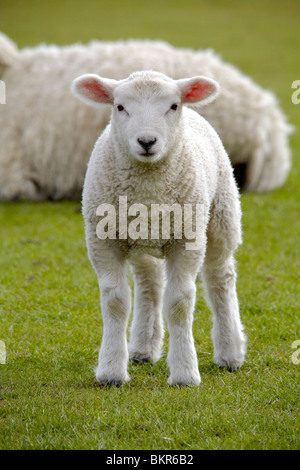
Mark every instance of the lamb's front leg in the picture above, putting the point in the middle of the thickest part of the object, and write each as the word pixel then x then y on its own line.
pixel 115 307
pixel 115 294
pixel 179 302
pixel 147 327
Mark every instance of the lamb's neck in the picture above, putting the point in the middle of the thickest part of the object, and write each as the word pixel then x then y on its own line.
pixel 151 180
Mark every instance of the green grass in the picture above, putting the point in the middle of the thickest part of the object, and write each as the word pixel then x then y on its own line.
pixel 49 299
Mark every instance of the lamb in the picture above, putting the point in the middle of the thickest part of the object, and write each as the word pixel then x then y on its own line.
pixel 157 153
pixel 47 137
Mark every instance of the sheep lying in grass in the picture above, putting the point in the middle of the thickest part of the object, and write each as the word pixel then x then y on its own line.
pixel 157 152
pixel 47 137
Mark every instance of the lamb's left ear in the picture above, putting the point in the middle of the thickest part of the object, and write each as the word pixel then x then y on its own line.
pixel 198 89
pixel 94 89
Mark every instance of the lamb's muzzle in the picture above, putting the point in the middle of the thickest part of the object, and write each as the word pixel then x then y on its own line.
pixel 147 144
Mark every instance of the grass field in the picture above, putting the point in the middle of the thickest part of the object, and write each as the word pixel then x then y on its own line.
pixel 49 300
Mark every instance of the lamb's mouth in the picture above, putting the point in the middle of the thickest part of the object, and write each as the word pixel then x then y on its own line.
pixel 147 154
pixel 148 157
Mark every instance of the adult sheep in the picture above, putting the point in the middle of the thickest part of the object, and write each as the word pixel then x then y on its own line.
pixel 157 152
pixel 46 136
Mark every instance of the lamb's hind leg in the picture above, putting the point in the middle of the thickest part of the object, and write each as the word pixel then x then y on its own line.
pixel 220 284
pixel 147 327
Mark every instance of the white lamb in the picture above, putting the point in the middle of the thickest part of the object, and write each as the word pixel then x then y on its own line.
pixel 46 136
pixel 156 151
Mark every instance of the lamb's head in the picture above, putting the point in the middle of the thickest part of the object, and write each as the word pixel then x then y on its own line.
pixel 147 108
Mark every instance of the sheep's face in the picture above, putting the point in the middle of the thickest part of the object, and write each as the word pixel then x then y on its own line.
pixel 146 118
pixel 146 109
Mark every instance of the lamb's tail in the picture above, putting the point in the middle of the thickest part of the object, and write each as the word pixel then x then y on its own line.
pixel 8 51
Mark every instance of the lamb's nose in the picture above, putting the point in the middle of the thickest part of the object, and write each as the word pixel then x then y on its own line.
pixel 146 144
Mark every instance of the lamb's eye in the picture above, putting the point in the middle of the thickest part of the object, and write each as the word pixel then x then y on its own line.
pixel 174 106
pixel 120 107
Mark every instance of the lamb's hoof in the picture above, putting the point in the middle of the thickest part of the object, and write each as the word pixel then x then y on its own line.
pixel 184 384
pixel 110 383
pixel 188 382
pixel 111 378
pixel 180 384
pixel 231 366
pixel 140 360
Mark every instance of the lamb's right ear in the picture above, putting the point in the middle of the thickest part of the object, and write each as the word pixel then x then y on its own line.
pixel 93 89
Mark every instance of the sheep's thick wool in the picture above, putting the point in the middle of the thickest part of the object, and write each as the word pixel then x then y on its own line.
pixel 47 136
